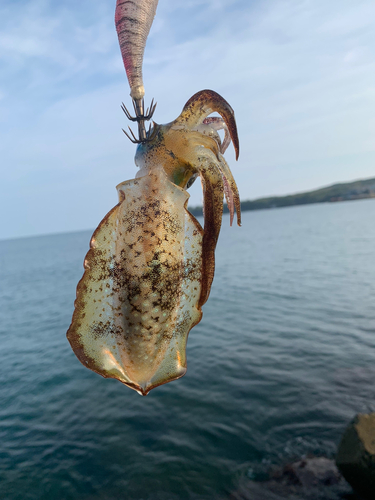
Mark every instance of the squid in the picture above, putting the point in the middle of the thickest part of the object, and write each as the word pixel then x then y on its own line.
pixel 150 265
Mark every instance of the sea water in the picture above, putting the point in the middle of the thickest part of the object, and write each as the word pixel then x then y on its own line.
pixel 281 361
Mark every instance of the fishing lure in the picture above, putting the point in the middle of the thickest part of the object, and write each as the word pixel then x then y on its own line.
pixel 150 265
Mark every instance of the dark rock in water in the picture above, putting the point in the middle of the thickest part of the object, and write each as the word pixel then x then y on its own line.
pixel 356 455
pixel 315 478
pixel 310 472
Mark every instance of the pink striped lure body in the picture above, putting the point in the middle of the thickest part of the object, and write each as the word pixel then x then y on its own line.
pixel 133 19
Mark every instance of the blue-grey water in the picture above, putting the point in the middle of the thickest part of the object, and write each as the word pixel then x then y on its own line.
pixel 281 361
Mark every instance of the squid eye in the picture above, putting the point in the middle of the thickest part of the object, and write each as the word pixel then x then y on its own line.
pixel 191 181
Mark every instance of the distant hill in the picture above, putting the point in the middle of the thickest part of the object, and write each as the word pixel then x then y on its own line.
pixel 337 192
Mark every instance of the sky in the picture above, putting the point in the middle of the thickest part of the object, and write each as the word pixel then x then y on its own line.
pixel 300 75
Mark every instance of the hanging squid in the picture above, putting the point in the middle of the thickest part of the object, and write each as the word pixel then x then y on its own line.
pixel 150 265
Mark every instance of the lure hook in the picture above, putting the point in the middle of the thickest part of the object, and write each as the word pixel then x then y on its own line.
pixel 140 117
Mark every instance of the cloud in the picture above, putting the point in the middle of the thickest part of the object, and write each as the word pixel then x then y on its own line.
pixel 299 75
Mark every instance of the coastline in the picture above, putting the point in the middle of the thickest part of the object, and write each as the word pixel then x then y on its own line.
pixel 356 190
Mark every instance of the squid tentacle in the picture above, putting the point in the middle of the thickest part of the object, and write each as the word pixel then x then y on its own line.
pixel 204 103
pixel 229 197
pixel 233 196
pixel 218 123
pixel 213 189
pixel 230 187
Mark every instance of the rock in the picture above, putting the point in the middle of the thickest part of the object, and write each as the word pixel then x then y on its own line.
pixel 314 478
pixel 356 455
pixel 310 472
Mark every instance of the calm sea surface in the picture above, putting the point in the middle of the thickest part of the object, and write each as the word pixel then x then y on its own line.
pixel 281 361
